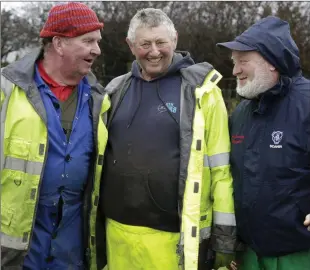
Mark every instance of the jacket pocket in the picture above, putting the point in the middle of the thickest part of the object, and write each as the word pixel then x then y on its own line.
pixel 17 148
pixel 6 215
pixel 14 196
pixel 163 190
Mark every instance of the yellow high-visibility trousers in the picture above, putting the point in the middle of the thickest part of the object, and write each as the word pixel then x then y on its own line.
pixel 140 248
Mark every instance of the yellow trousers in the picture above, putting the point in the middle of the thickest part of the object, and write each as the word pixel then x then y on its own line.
pixel 140 248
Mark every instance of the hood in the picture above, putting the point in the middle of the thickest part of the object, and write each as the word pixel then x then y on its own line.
pixel 271 37
pixel 21 72
pixel 180 60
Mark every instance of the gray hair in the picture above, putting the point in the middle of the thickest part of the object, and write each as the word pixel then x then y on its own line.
pixel 150 17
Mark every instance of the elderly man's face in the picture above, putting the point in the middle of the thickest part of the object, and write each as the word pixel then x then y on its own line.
pixel 153 49
pixel 254 74
pixel 79 53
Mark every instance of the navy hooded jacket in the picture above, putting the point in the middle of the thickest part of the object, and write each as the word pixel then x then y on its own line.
pixel 270 157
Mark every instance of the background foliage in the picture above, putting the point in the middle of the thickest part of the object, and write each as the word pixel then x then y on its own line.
pixel 200 26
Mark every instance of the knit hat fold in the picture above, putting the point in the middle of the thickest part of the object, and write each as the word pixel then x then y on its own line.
pixel 70 20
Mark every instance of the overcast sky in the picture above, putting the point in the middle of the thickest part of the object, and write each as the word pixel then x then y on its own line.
pixel 9 5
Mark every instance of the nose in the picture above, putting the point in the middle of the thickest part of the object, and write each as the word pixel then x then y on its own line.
pixel 237 69
pixel 96 49
pixel 154 49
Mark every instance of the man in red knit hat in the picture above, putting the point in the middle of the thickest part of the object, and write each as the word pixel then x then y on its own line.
pixel 53 137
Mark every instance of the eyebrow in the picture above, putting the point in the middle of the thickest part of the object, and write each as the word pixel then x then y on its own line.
pixel 156 39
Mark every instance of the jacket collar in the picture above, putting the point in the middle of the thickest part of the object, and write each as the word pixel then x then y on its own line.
pixel 266 99
pixel 21 72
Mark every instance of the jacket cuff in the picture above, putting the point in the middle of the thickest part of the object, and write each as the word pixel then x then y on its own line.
pixel 224 239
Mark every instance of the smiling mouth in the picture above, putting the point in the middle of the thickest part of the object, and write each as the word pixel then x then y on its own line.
pixel 90 61
pixel 154 60
pixel 242 79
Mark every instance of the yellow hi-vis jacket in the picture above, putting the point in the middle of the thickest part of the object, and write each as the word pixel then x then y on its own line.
pixel 205 199
pixel 24 144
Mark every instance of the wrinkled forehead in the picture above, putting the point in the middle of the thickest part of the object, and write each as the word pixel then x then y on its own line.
pixel 91 35
pixel 152 33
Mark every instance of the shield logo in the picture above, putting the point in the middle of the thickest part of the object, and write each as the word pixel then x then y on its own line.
pixel 277 136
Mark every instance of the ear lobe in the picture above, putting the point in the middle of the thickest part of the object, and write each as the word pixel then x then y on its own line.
pixel 272 68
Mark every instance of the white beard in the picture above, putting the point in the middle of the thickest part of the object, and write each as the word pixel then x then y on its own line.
pixel 261 82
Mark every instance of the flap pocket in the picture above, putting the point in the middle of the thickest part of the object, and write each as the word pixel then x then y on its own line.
pixel 18 148
pixel 6 216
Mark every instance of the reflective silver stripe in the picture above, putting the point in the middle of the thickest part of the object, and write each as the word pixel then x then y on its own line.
pixel 6 87
pixel 181 242
pixel 224 219
pixel 180 251
pixel 216 160
pixel 205 233
pixel 30 167
pixel 13 242
pixel 213 78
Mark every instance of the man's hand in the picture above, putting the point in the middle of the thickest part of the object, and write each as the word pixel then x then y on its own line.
pixel 232 266
pixel 307 221
pixel 223 260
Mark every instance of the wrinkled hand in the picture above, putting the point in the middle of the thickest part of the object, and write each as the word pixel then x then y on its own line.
pixel 307 221
pixel 233 266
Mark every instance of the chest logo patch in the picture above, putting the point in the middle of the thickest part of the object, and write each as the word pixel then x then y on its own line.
pixel 237 139
pixel 171 107
pixel 276 138
pixel 162 108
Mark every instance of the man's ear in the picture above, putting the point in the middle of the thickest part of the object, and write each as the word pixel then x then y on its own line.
pixel 176 40
pixel 131 45
pixel 57 44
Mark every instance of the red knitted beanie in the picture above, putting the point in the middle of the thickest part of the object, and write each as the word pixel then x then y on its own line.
pixel 70 20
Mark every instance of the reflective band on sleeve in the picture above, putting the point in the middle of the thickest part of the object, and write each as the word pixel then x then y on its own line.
pixel 30 167
pixel 13 242
pixel 204 233
pixel 226 219
pixel 216 160
pixel 6 90
pixel 180 250
pixel 6 85
pixel 181 242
